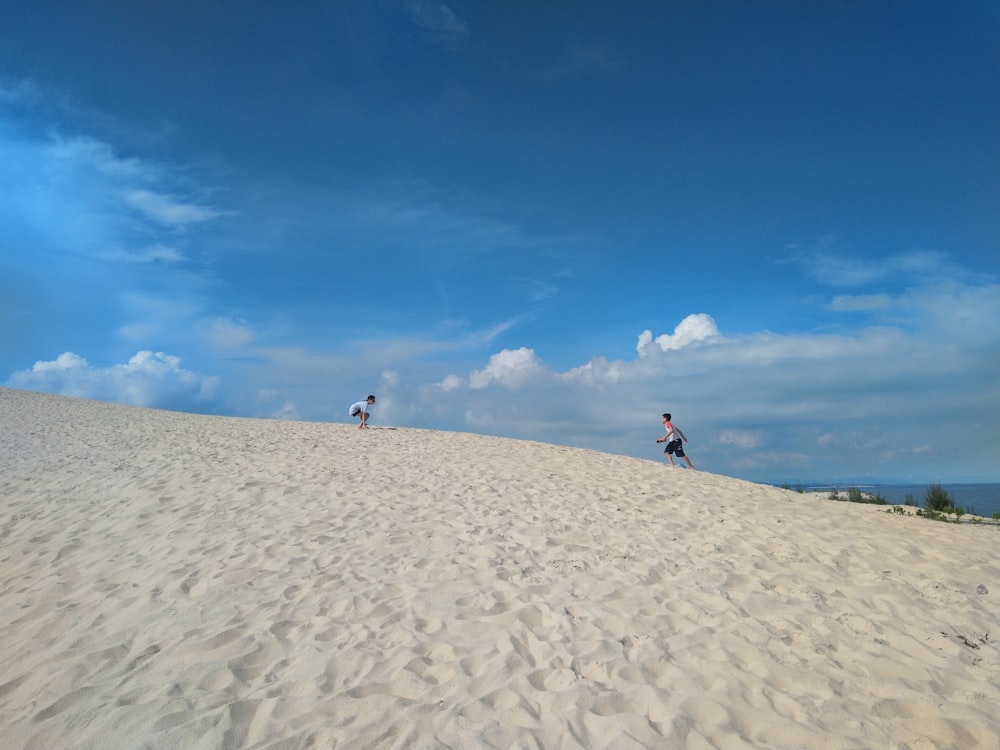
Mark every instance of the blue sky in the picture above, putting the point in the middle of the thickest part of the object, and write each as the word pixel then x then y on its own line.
pixel 779 221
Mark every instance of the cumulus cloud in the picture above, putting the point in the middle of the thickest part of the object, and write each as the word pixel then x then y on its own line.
pixel 510 368
pixel 151 379
pixel 762 403
pixel 600 369
pixel 694 328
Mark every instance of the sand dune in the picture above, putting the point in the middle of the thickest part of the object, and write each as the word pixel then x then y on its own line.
pixel 178 581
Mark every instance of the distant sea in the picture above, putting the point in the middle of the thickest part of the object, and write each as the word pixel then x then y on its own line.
pixel 979 499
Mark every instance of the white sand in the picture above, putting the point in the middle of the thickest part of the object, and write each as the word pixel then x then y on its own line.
pixel 179 581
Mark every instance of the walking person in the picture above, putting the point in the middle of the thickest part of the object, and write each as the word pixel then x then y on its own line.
pixel 673 438
pixel 360 410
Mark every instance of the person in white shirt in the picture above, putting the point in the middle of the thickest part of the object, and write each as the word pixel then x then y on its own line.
pixel 673 438
pixel 360 410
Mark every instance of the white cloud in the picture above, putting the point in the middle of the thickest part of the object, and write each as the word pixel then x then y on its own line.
pixel 739 439
pixel 288 410
pixel 226 333
pixel 63 363
pixel 149 378
pixel 511 368
pixel 600 370
pixel 168 210
pixel 149 254
pixel 859 303
pixel 69 157
pixel 830 265
pixel 75 195
pixel 692 329
pixel 451 383
pixel 438 23
pixel 952 311
pixel 763 403
pixel 150 317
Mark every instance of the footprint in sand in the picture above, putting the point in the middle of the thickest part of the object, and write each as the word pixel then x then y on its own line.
pixel 590 670
pixel 193 586
pixel 553 680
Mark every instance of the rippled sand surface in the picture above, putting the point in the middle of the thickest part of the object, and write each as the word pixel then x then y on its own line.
pixel 171 581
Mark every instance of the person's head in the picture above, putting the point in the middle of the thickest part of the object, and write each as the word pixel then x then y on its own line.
pixel 666 417
pixel 371 399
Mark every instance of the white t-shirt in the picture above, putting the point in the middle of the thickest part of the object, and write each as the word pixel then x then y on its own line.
pixel 358 408
pixel 671 433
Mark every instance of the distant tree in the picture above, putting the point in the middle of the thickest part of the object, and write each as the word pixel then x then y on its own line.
pixel 937 498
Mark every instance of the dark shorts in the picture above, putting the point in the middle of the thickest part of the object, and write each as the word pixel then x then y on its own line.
pixel 355 412
pixel 675 447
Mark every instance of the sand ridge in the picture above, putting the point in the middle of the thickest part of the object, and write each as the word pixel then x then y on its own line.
pixel 173 580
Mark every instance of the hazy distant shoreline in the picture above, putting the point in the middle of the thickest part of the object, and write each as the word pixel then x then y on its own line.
pixel 981 498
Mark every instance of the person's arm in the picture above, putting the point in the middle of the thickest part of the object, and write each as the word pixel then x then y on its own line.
pixel 678 431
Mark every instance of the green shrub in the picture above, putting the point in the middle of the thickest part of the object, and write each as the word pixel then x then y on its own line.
pixel 937 498
pixel 855 495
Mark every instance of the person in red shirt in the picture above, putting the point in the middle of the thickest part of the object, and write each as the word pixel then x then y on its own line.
pixel 673 438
